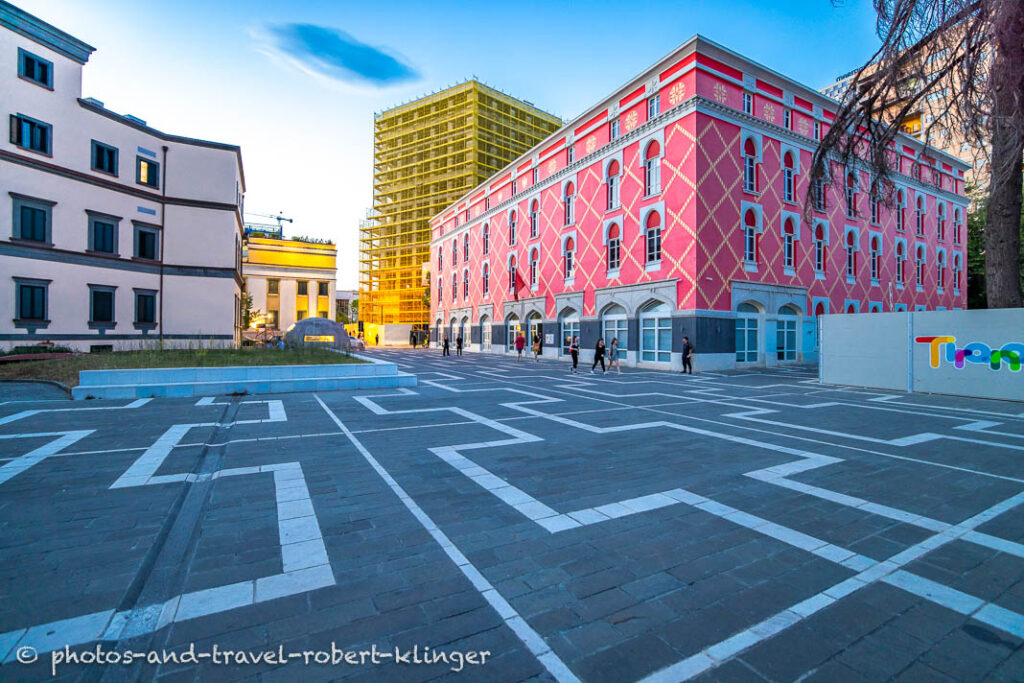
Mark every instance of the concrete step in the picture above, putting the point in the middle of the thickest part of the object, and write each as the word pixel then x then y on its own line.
pixel 219 387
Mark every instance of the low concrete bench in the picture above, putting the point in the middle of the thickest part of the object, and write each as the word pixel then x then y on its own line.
pixel 263 379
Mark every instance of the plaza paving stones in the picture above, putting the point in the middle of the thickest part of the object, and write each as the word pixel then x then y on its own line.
pixel 751 525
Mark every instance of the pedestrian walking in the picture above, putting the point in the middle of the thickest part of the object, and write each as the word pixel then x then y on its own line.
pixel 613 356
pixel 458 345
pixel 687 355
pixel 536 347
pixel 444 347
pixel 520 345
pixel 376 340
pixel 598 355
pixel 574 350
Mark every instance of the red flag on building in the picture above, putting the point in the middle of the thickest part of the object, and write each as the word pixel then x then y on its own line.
pixel 520 283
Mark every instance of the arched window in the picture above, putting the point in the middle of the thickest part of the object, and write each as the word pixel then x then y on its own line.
pixel 788 169
pixel 788 236
pixel 570 200
pixel 534 218
pixel 512 229
pixel 940 269
pixel 919 270
pixel 746 333
pixel 613 185
pixel 534 267
pixel 570 255
pixel 614 325
pixel 440 259
pixel 818 194
pixel 512 275
pixel 465 284
pixel 901 207
pixel 851 255
pixel 485 332
pixel 957 269
pixel 455 287
pixel 653 237
pixel 850 308
pixel 749 166
pixel 750 237
pixel 514 328
pixel 652 169
pixel 876 258
pixel 941 226
pixel 655 332
pixel 455 251
pixel 785 334
pixel 819 309
pixel 614 247
pixel 819 248
pixel 901 261
pixel 920 215
pixel 486 277
pixel 465 247
pixel 486 234
pixel 440 291
pixel 957 225
pixel 875 201
pixel 851 194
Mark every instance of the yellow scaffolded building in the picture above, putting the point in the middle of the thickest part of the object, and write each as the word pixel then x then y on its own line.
pixel 427 154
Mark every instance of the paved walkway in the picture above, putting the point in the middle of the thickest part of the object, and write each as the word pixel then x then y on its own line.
pixel 648 526
pixel 31 391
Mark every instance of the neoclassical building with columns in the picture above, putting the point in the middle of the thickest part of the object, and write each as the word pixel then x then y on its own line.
pixel 675 208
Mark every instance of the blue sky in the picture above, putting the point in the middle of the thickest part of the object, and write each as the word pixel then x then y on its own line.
pixel 296 83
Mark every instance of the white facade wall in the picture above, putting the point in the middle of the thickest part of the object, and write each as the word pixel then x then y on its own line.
pixel 942 352
pixel 197 207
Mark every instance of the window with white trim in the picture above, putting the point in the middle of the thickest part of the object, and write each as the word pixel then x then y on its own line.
pixel 613 185
pixel 920 215
pixel 570 257
pixel 851 254
pixel 749 166
pixel 570 199
pixel 819 248
pixel 534 218
pixel 486 234
pixel 614 247
pixel 919 263
pixel 613 129
pixel 465 284
pixel 653 107
pixel 455 287
pixel 485 276
pixel 748 103
pixel 788 238
pixel 652 169
pixel 653 238
pixel 901 263
pixel 876 258
pixel 750 237
pixel 534 268
pixel 851 195
pixel 788 178
pixel 512 229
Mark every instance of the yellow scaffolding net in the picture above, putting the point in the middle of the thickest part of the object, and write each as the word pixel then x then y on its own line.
pixel 427 154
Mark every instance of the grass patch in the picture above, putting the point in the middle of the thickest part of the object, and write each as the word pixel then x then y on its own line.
pixel 65 370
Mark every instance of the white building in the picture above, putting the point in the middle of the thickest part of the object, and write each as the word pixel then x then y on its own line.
pixel 113 235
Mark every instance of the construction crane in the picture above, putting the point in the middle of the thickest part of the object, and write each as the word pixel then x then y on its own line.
pixel 268 227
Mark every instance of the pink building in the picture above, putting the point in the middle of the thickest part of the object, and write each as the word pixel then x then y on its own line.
pixel 674 208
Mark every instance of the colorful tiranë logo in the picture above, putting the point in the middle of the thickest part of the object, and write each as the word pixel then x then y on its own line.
pixel 1011 353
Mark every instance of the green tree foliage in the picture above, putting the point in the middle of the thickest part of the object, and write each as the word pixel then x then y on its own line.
pixel 976 294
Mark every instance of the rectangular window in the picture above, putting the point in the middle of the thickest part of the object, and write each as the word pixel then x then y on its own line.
pixel 788 251
pixel 102 233
pixel 273 286
pixel 613 129
pixel 101 304
pixel 147 243
pixel 300 315
pixel 536 176
pixel 514 190
pixel 749 245
pixel 147 172
pixel 653 107
pixel 104 158
pixel 614 258
pixel 303 287
pixel 28 133
pixel 31 300
pixel 653 245
pixel 34 68
pixel 570 154
pixel 787 119
pixel 748 103
pixel 145 307
pixel 322 314
pixel 322 288
pixel 33 222
pixel 817 130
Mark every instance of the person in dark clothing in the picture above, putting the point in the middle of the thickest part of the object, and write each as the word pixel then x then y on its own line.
pixel 687 355
pixel 458 345
pixel 574 350
pixel 376 340
pixel 598 355
pixel 444 347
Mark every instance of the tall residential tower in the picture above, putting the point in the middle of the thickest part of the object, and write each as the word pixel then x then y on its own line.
pixel 427 154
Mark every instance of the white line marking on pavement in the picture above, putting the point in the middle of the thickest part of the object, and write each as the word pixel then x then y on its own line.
pixel 533 641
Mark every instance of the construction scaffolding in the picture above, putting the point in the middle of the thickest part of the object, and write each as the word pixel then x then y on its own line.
pixel 427 154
